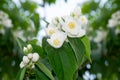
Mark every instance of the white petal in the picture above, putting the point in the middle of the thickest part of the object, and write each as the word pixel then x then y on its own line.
pixel 25 59
pixel 35 57
pixel 29 46
pixel 81 33
pixel 22 64
pixel 30 55
pixel 51 30
pixel 57 39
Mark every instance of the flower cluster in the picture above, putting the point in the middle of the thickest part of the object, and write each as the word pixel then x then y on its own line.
pixel 114 22
pixel 67 26
pixel 30 59
pixel 4 20
pixel 101 35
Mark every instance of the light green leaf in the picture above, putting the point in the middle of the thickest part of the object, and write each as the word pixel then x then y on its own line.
pixel 21 73
pixel 86 43
pixel 62 61
pixel 44 69
pixel 78 48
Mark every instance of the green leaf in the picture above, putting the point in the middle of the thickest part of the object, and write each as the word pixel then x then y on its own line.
pixel 40 75
pixel 44 69
pixel 79 49
pixel 36 20
pixel 62 61
pixel 33 41
pixel 21 74
pixel 86 43
pixel 21 43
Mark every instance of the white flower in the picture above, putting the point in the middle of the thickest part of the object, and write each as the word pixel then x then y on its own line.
pixel 57 39
pixel 112 23
pixel 83 20
pixel 7 23
pixel 72 28
pixel 25 59
pixel 88 76
pixel 35 57
pixel 100 36
pixel 29 47
pixel 30 55
pixel 22 64
pixel 51 30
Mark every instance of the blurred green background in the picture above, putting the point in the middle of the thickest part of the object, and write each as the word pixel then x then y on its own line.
pixel 19 18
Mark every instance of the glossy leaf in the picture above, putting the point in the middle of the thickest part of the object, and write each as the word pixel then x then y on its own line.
pixel 86 43
pixel 40 75
pixel 79 49
pixel 44 69
pixel 62 61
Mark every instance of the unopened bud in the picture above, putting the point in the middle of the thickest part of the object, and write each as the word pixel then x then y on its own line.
pixel 29 47
pixel 22 64
pixel 25 50
pixel 30 55
pixel 35 57
pixel 25 59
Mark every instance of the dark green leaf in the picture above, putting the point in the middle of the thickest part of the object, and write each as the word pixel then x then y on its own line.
pixel 45 70
pixel 79 49
pixel 40 75
pixel 62 61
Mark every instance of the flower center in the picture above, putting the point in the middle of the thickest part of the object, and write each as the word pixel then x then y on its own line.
pixel 83 18
pixel 56 41
pixel 51 32
pixel 71 25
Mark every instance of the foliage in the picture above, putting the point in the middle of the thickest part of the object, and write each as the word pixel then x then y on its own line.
pixel 105 52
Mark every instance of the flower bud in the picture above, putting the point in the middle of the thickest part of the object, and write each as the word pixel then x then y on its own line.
pixel 29 47
pixel 25 50
pixel 25 59
pixel 22 64
pixel 30 55
pixel 35 57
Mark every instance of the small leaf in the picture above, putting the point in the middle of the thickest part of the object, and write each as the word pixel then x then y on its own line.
pixel 86 43
pixel 79 49
pixel 45 70
pixel 33 41
pixel 21 73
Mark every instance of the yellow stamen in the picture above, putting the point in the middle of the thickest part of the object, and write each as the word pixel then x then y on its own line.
pixel 51 32
pixel 83 18
pixel 71 25
pixel 56 42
